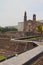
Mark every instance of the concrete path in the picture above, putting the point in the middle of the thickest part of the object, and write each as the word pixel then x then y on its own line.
pixel 24 57
pixel 40 43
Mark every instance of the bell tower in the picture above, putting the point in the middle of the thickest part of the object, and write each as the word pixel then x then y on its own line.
pixel 25 16
pixel 34 17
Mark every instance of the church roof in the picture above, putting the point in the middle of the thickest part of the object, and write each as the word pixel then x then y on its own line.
pixel 37 21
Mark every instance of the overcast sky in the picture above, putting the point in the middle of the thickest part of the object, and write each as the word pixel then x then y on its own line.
pixel 12 11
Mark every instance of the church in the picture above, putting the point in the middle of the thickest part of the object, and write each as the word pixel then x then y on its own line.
pixel 30 26
pixel 27 27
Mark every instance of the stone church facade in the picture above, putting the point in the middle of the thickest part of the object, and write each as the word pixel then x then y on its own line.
pixel 30 25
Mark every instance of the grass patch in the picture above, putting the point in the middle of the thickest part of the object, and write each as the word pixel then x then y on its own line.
pixel 2 58
pixel 36 38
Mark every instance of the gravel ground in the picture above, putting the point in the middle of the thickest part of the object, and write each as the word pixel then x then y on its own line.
pixel 39 61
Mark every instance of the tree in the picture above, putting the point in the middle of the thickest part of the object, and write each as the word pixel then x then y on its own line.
pixel 5 29
pixel 40 28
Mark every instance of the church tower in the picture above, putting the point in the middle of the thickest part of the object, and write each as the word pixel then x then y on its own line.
pixel 25 16
pixel 25 20
pixel 34 17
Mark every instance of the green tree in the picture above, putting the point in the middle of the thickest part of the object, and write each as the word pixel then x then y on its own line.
pixel 5 29
pixel 40 29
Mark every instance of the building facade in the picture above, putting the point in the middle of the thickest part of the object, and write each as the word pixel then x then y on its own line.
pixel 30 25
pixel 20 26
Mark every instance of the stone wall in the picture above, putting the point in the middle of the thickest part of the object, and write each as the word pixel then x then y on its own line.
pixel 11 34
pixel 11 47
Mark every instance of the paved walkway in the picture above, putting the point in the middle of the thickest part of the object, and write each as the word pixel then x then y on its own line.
pixel 40 43
pixel 24 57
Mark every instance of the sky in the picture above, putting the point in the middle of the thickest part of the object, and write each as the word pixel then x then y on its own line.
pixel 12 11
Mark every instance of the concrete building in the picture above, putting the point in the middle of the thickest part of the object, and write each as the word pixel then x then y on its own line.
pixel 20 26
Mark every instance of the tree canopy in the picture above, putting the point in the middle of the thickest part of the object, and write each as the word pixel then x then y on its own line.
pixel 5 29
pixel 39 28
